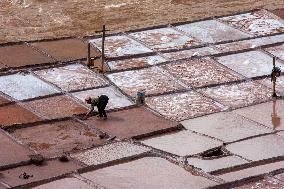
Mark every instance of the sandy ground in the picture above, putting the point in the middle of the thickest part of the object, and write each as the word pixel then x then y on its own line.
pixel 37 19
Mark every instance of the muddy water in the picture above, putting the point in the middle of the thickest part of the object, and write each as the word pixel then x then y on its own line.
pixel 36 19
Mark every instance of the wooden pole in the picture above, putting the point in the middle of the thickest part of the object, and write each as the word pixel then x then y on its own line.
pixel 274 78
pixel 103 31
pixel 89 55
pixel 274 89
pixel 103 47
pixel 274 62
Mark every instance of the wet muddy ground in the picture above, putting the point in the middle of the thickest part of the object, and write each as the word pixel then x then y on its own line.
pixel 59 137
pixel 37 19
pixel 157 171
pixel 209 118
pixel 122 126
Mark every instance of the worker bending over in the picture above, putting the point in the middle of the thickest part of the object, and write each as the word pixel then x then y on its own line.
pixel 100 102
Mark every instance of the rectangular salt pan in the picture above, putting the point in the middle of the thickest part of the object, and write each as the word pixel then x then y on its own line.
pixel 201 72
pixel 183 106
pixel 250 64
pixel 279 84
pixel 259 148
pixel 109 152
pixel 268 114
pixel 277 51
pixel 120 46
pixel 132 123
pixel 56 107
pixel 204 51
pixel 57 138
pixel 148 172
pixel 225 126
pixel 252 172
pixel 164 39
pixel 210 165
pixel 153 80
pixel 135 62
pixel 21 87
pixel 238 95
pixel 249 44
pixel 65 183
pixel 182 143
pixel 211 31
pixel 257 23
pixel 72 77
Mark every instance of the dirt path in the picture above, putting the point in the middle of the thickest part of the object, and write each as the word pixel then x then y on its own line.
pixel 37 19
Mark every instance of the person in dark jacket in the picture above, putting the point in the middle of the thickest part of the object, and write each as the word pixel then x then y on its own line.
pixel 100 102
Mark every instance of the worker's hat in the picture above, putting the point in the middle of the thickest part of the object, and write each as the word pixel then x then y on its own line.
pixel 88 98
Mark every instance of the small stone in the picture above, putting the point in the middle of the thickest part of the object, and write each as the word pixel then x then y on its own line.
pixel 64 158
pixel 36 159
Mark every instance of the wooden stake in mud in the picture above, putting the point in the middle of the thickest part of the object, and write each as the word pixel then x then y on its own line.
pixel 103 31
pixel 89 55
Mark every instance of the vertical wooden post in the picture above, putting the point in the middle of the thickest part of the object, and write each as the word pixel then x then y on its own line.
pixel 274 89
pixel 103 47
pixel 274 78
pixel 274 62
pixel 89 55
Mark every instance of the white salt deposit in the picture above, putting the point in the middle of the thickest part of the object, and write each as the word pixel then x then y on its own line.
pixel 153 80
pixel 21 86
pixel 115 5
pixel 120 46
pixel 250 64
pixel 251 43
pixel 204 51
pixel 135 62
pixel 72 77
pixel 109 152
pixel 211 31
pixel 257 23
pixel 277 51
pixel 164 38
pixel 238 95
pixel 183 106
pixel 201 72
pixel 279 84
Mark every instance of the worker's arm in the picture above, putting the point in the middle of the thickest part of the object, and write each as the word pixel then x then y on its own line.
pixel 87 114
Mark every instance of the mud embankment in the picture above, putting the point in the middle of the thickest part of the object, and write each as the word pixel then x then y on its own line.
pixel 37 19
